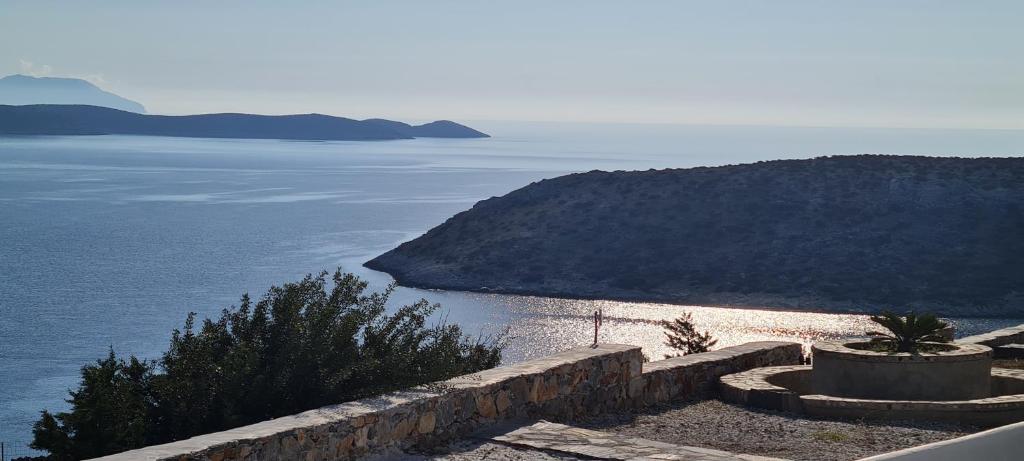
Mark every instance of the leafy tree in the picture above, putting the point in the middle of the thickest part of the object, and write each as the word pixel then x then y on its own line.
pixel 109 412
pixel 905 334
pixel 682 335
pixel 302 346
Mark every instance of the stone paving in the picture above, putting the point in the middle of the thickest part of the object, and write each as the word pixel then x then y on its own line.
pixel 476 450
pixel 574 441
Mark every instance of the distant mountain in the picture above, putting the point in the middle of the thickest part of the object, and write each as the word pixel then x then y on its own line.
pixel 20 90
pixel 849 233
pixel 93 120
pixel 438 129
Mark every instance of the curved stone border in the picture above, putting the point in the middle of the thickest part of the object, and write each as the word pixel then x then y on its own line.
pixel 755 388
pixel 963 352
pixel 1007 381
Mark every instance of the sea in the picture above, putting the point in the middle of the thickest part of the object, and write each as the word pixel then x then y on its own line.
pixel 108 242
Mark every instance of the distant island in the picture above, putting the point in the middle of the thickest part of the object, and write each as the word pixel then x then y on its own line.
pixel 93 120
pixel 19 90
pixel 840 234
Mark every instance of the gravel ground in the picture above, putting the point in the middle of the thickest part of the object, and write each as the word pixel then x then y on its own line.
pixel 714 424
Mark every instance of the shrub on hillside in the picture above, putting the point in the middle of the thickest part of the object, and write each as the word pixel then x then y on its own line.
pixel 304 345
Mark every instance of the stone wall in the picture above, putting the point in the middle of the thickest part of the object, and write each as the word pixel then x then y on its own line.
pixel 993 339
pixel 559 387
pixel 697 375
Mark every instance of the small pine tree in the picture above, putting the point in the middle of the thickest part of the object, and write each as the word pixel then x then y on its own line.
pixel 683 336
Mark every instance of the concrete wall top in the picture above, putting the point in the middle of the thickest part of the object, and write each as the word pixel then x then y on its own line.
pixel 999 444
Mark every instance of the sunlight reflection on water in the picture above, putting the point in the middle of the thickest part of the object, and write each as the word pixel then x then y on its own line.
pixel 539 326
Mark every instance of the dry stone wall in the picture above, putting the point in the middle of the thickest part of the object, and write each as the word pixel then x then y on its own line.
pixel 560 387
pixel 697 375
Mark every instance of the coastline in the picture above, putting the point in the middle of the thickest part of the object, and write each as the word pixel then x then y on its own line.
pixel 752 301
pixel 843 234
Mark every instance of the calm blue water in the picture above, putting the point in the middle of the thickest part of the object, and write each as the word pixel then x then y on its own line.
pixel 109 241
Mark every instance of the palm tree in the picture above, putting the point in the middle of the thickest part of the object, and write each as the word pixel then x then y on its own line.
pixel 907 333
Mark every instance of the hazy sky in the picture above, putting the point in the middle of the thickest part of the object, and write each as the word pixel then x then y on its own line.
pixel 867 63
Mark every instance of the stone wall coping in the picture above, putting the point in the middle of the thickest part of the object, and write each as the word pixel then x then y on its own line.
pixel 1008 373
pixel 963 352
pixel 311 419
pixel 757 379
pixel 999 337
pixel 713 356
pixel 536 366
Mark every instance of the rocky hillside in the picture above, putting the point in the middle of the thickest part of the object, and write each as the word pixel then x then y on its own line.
pixel 849 233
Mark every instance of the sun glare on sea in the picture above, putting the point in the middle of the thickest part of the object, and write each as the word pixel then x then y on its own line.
pixel 539 326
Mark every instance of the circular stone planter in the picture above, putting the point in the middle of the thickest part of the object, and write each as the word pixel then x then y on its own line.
pixel 785 388
pixel 963 373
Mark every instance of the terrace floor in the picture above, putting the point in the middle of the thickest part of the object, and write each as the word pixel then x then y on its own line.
pixel 551 441
pixel 722 426
pixel 707 430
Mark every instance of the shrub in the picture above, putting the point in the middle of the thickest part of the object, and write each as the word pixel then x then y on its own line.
pixel 300 347
pixel 682 335
pixel 905 334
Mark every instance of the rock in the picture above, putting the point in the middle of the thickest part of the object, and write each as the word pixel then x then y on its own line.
pixel 502 402
pixel 426 423
pixel 485 406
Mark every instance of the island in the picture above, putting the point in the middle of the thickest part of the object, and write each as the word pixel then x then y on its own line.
pixel 839 234
pixel 57 119
pixel 25 89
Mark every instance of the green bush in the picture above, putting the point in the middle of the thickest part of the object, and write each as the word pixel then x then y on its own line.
pixel 302 346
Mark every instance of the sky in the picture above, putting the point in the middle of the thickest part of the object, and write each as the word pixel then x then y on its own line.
pixel 906 63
